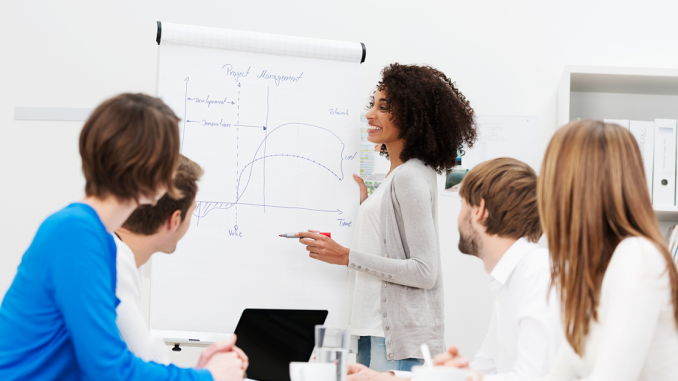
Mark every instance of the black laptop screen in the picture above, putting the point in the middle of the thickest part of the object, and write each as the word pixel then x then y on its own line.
pixel 274 338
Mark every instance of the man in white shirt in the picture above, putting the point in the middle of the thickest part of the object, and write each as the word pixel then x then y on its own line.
pixel 499 223
pixel 150 229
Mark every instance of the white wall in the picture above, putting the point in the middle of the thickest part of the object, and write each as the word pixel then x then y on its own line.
pixel 506 57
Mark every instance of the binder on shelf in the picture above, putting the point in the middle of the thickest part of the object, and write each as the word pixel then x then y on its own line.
pixel 621 122
pixel 671 237
pixel 664 179
pixel 644 134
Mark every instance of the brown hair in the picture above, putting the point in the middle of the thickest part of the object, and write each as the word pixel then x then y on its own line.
pixel 433 117
pixel 147 219
pixel 130 147
pixel 509 188
pixel 592 194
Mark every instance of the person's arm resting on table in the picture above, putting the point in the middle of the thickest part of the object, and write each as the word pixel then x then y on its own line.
pixel 85 298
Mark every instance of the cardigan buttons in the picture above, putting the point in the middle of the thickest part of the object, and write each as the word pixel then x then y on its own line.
pixel 390 355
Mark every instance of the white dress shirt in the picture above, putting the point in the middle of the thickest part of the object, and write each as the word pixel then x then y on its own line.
pixel 525 330
pixel 131 323
pixel 635 337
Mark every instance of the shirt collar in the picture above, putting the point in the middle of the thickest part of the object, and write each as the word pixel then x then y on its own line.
pixel 509 261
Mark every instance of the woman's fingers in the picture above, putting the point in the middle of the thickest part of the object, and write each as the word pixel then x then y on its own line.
pixel 221 346
pixel 442 358
pixel 453 350
pixel 308 242
pixel 457 362
pixel 310 235
pixel 355 368
pixel 361 185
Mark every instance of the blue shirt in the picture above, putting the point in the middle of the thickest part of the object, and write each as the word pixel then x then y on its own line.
pixel 57 320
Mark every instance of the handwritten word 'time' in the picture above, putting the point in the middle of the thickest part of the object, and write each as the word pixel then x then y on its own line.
pixel 234 73
pixel 344 223
pixel 337 112
pixel 279 78
pixel 210 102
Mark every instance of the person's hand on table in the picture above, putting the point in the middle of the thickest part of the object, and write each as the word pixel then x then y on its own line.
pixel 358 372
pixel 226 346
pixel 452 359
pixel 363 188
pixel 226 366
pixel 324 248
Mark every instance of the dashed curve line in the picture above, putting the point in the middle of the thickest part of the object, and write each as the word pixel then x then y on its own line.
pixel 341 164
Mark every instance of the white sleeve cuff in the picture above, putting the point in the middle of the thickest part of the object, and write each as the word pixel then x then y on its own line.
pixel 402 374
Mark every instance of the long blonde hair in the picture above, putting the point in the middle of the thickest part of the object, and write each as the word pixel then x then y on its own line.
pixel 592 194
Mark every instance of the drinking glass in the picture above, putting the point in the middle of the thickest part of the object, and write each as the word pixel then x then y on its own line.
pixel 332 347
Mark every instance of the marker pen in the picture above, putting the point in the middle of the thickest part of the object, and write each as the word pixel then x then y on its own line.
pixel 292 235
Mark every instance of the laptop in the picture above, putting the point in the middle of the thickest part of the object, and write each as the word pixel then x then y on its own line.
pixel 274 338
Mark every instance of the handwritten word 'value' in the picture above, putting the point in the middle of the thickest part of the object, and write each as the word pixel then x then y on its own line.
pixel 279 78
pixel 234 73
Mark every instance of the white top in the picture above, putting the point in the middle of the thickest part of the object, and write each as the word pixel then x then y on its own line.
pixel 525 330
pixel 133 328
pixel 635 337
pixel 364 290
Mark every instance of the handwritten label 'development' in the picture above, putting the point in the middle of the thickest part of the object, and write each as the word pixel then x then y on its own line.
pixel 209 101
pixel 279 78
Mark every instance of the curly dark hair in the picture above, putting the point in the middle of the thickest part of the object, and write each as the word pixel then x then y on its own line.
pixel 434 118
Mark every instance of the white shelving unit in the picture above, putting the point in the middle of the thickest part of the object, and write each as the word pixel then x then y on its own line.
pixel 597 92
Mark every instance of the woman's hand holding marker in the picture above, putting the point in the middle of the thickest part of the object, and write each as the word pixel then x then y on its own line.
pixel 324 248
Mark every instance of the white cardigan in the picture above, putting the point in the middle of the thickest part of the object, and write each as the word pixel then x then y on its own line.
pixel 131 323
pixel 635 337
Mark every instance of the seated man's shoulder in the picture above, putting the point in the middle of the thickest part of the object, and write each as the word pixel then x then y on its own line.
pixel 536 265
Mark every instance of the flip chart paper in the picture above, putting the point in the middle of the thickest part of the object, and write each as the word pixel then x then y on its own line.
pixel 278 138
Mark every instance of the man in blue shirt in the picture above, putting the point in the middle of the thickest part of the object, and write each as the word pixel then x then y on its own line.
pixel 57 320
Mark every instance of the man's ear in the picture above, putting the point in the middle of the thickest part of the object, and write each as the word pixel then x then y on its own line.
pixel 480 213
pixel 174 221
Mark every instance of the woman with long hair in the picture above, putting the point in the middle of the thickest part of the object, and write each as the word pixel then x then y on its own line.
pixel 420 120
pixel 609 262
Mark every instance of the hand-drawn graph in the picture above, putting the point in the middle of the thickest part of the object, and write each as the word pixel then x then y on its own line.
pixel 278 139
pixel 260 147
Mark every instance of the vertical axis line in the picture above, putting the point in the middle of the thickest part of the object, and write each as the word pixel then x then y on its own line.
pixel 183 133
pixel 265 141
